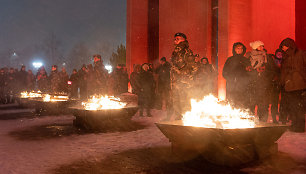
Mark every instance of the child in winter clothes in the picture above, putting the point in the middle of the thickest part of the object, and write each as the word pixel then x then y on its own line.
pixel 257 56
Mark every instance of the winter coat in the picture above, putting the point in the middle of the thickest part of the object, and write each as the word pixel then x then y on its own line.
pixel 55 81
pixel 74 85
pixel 21 77
pixel 120 81
pixel 30 81
pixel 101 77
pixel 236 74
pixel 42 81
pixel 11 82
pixel 183 67
pixel 133 81
pixel 3 83
pixel 74 79
pixel 146 85
pixel 293 68
pixel 163 72
pixel 64 77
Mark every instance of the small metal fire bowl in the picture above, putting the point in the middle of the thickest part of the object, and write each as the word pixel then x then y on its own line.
pixel 26 102
pixel 227 147
pixel 101 120
pixel 53 107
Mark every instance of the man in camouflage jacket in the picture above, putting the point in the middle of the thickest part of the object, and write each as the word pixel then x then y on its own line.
pixel 182 74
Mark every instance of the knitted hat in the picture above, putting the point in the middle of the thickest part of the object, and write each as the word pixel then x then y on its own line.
pixel 256 44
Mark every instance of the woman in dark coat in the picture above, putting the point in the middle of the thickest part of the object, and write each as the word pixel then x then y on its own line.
pixel 235 71
pixel 146 85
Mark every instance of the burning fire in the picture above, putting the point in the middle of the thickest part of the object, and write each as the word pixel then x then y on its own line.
pixel 32 94
pixel 211 114
pixel 103 102
pixel 49 98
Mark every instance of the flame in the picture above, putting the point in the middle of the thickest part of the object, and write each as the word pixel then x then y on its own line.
pixel 63 97
pixel 103 102
pixel 211 114
pixel 32 94
pixel 49 98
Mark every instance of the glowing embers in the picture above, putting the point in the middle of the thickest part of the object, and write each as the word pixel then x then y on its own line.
pixel 210 113
pixel 32 94
pixel 103 102
pixel 54 98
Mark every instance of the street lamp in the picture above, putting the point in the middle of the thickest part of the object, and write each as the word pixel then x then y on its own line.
pixel 37 64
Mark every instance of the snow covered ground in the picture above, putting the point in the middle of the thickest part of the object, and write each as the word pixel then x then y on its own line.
pixel 50 144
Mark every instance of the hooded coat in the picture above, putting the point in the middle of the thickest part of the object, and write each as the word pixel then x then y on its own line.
pixel 293 68
pixel 236 74
pixel 146 85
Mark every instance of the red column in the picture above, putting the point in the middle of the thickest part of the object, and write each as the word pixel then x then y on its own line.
pixel 300 23
pixel 273 21
pixel 136 33
pixel 192 17
pixel 267 20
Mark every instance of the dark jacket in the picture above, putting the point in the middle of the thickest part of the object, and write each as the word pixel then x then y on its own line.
pixel 146 85
pixel 293 68
pixel 55 81
pixel 120 81
pixel 101 77
pixel 64 77
pixel 30 81
pixel 22 80
pixel 235 72
pixel 133 81
pixel 42 80
pixel 163 72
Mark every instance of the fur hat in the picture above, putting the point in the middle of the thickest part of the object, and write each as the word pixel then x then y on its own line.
pixel 256 44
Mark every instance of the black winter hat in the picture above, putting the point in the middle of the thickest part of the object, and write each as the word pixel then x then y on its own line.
pixel 180 34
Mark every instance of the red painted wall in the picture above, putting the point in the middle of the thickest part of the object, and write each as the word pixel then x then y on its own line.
pixel 136 33
pixel 300 30
pixel 273 21
pixel 191 17
pixel 267 20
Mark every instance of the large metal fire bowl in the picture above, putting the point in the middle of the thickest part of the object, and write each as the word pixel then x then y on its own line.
pixel 105 119
pixel 53 107
pixel 228 147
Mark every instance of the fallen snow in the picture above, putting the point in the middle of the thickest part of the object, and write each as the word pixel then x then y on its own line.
pixel 42 156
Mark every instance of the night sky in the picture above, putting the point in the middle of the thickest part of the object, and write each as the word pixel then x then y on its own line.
pixel 100 24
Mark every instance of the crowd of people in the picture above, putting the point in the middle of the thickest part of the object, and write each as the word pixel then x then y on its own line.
pixel 89 80
pixel 254 81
